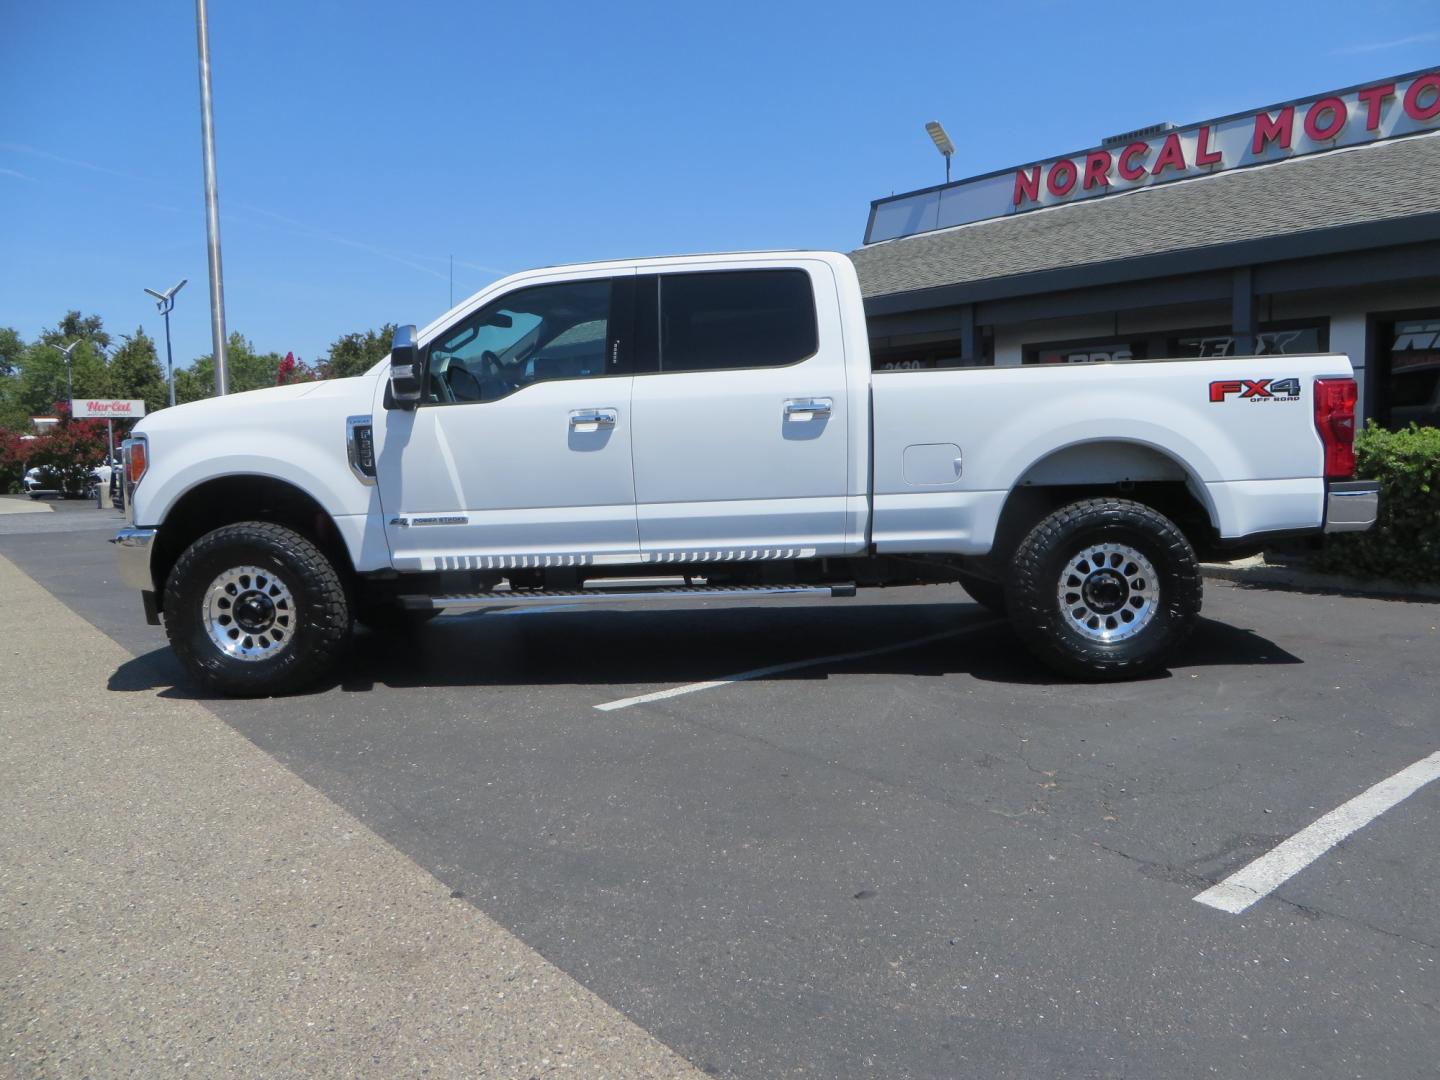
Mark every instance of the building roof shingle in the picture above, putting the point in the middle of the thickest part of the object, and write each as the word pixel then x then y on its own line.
pixel 1378 182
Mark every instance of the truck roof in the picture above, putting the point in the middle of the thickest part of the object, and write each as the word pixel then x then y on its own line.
pixel 652 262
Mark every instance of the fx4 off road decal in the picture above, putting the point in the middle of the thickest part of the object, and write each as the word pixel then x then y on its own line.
pixel 1255 390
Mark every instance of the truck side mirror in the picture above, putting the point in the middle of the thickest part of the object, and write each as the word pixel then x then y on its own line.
pixel 407 374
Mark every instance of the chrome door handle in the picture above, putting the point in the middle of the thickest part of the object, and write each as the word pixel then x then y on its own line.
pixel 598 417
pixel 802 409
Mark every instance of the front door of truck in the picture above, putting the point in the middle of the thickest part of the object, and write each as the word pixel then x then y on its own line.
pixel 741 425
pixel 519 453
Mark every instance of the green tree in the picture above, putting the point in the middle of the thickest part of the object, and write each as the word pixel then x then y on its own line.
pixel 355 354
pixel 42 374
pixel 248 370
pixel 12 351
pixel 135 371
pixel 75 325
pixel 12 347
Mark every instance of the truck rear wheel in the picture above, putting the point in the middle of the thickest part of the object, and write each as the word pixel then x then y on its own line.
pixel 1104 589
pixel 254 609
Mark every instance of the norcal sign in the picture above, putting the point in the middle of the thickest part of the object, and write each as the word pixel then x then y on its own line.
pixel 1324 123
pixel 1405 105
pixel 106 409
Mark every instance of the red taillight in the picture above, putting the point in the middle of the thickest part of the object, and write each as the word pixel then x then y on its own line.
pixel 1335 421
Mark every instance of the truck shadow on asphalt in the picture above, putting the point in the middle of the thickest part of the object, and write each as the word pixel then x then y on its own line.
pixel 649 648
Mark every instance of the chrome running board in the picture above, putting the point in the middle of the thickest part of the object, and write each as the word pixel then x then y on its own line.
pixel 500 598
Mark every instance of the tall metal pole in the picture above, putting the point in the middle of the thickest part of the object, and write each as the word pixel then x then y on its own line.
pixel 212 206
pixel 169 360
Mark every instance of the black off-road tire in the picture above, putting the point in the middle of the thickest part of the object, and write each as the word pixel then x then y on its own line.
pixel 321 620
pixel 1048 629
pixel 988 594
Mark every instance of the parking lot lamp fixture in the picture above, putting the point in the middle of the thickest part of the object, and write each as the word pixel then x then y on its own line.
pixel 165 303
pixel 942 143
pixel 69 386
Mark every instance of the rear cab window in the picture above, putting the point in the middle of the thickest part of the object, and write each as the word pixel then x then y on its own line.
pixel 735 319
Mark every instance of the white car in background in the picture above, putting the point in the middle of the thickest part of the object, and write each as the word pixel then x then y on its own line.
pixel 35 484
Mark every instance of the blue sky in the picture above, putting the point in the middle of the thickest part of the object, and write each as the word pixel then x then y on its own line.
pixel 361 144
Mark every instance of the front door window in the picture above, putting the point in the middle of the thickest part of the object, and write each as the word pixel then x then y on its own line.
pixel 559 331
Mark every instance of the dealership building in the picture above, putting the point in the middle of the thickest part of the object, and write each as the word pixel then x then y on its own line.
pixel 1308 226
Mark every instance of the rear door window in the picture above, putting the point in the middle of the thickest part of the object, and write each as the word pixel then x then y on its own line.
pixel 736 319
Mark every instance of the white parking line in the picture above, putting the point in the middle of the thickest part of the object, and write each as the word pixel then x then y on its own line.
pixel 1267 873
pixel 775 669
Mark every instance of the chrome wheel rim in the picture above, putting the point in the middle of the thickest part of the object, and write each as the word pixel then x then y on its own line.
pixel 250 613
pixel 1108 592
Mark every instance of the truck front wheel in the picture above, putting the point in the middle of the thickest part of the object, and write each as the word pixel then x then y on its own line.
pixel 254 609
pixel 1104 589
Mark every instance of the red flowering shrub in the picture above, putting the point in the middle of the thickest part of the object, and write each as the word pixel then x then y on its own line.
pixel 291 370
pixel 66 454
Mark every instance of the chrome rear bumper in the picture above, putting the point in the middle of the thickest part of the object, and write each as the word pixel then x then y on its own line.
pixel 133 548
pixel 1351 505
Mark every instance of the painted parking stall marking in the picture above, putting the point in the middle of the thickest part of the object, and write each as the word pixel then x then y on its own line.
pixel 794 665
pixel 1254 882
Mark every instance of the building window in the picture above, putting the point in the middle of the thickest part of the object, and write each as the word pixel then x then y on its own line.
pixel 1408 375
pixel 1099 351
pixel 929 356
pixel 1274 339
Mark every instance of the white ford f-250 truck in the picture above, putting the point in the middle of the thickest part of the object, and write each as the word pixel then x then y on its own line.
pixel 716 419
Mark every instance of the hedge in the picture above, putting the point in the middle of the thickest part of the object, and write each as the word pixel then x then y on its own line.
pixel 1405 542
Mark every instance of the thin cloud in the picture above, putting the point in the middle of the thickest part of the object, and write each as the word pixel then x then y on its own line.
pixel 401 257
pixel 1381 46
pixel 414 262
pixel 21 148
pixel 18 175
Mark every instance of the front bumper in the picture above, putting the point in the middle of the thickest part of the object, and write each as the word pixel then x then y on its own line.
pixel 1351 505
pixel 133 548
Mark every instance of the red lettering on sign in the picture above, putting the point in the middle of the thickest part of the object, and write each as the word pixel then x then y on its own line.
pixel 1203 154
pixel 1413 108
pixel 1062 177
pixel 1318 127
pixel 1128 171
pixel 1374 98
pixel 1097 168
pixel 1027 186
pixel 1171 156
pixel 1267 130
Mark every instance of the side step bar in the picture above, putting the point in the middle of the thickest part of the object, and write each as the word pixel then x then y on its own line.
pixel 501 598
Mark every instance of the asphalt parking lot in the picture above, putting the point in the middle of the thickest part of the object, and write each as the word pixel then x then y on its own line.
pixel 909 860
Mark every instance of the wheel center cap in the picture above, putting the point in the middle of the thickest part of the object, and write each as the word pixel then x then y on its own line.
pixel 1105 592
pixel 254 612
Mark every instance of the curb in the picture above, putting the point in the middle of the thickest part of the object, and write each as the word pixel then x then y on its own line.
pixel 1260 574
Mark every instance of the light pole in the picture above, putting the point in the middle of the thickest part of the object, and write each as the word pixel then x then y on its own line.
pixel 212 204
pixel 69 386
pixel 942 143
pixel 165 303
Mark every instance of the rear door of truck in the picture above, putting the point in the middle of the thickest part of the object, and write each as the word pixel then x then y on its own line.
pixel 740 430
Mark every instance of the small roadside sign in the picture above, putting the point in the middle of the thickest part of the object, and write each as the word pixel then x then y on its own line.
pixel 106 409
